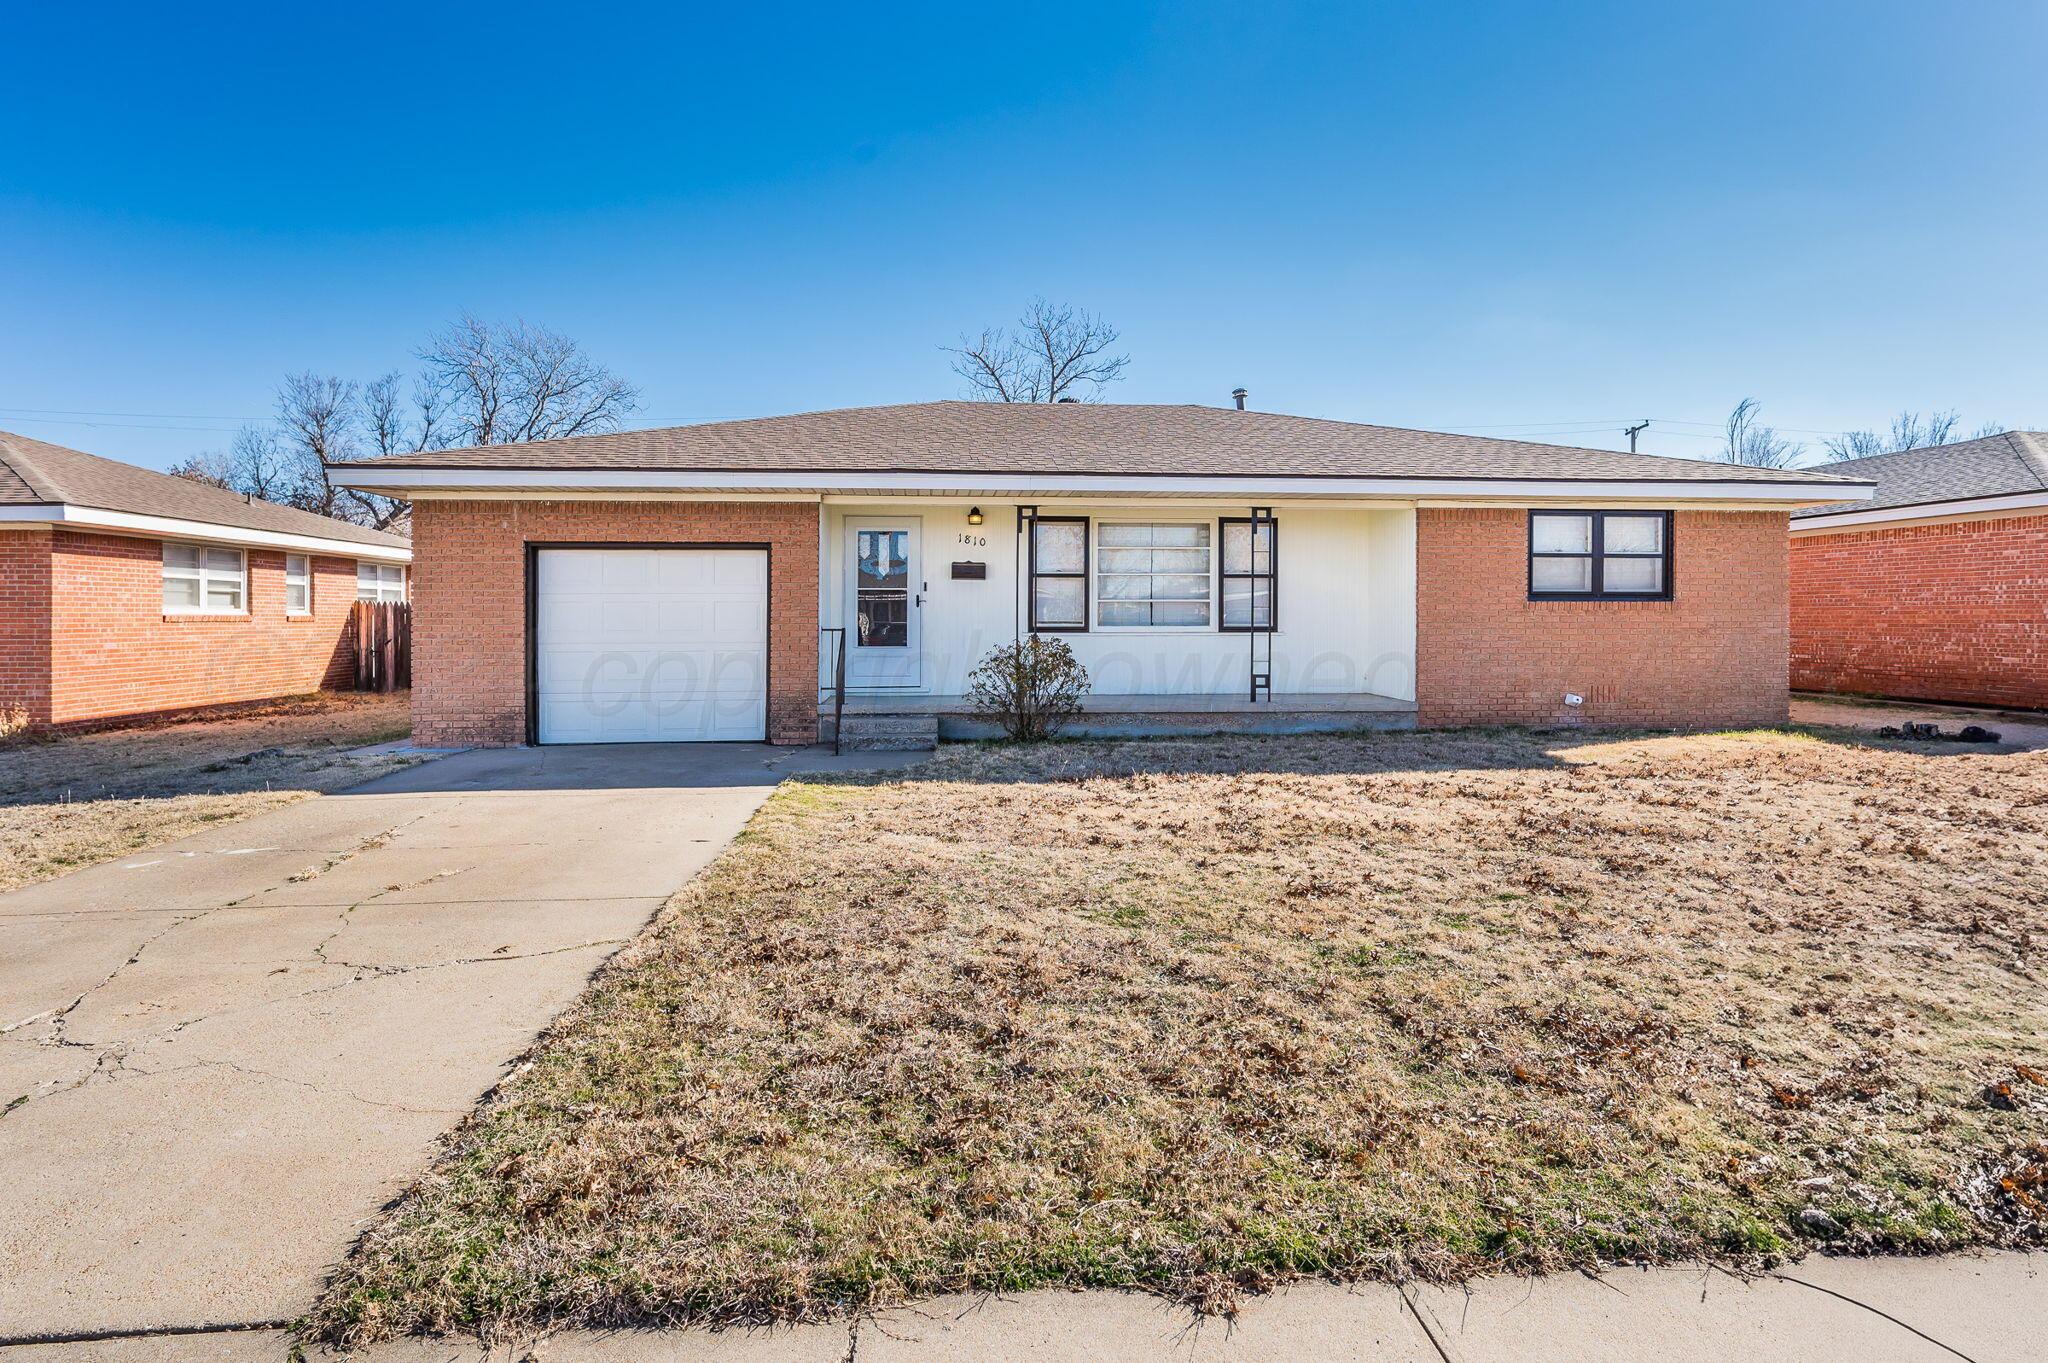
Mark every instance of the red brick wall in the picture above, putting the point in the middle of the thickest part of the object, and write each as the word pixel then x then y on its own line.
pixel 1955 612
pixel 24 627
pixel 114 652
pixel 1713 656
pixel 469 599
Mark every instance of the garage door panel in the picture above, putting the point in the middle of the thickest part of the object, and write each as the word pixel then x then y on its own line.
pixel 690 571
pixel 651 645
pixel 731 619
pixel 626 622
pixel 691 721
pixel 740 571
pixel 688 618
pixel 626 569
pixel 574 572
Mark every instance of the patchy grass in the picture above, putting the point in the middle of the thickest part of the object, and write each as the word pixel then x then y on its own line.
pixel 1197 1017
pixel 78 799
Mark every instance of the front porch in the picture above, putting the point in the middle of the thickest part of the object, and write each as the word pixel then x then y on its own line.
pixel 875 719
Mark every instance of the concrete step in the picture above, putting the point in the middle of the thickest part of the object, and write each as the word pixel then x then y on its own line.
pixel 883 733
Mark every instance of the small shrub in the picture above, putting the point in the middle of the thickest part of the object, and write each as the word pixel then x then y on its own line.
pixel 14 720
pixel 1030 687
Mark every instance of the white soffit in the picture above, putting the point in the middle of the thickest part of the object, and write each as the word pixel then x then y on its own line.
pixel 170 527
pixel 1963 509
pixel 487 482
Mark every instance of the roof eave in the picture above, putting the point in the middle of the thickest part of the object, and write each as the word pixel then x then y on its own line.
pixel 2033 501
pixel 483 481
pixel 73 516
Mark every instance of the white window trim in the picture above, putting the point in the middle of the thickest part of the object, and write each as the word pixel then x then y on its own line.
pixel 203 575
pixel 307 609
pixel 404 583
pixel 1095 578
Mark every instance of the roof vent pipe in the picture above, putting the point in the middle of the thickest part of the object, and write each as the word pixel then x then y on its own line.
pixel 1240 395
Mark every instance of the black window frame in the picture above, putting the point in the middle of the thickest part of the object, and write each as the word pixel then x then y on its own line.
pixel 1032 574
pixel 1599 556
pixel 1271 575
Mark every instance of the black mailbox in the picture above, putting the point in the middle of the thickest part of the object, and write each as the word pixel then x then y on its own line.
pixel 977 572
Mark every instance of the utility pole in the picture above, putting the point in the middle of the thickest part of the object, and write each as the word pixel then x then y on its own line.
pixel 1632 430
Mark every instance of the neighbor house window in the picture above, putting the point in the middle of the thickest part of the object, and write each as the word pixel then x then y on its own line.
pixel 1154 576
pixel 1059 574
pixel 1250 573
pixel 380 582
pixel 202 580
pixel 1600 555
pixel 298 584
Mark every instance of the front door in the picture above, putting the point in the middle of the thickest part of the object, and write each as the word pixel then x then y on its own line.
pixel 885 600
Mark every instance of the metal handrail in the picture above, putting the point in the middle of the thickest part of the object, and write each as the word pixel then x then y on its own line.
pixel 838 681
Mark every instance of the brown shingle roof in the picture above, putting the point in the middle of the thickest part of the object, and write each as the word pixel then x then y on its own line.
pixel 1077 438
pixel 1993 466
pixel 35 472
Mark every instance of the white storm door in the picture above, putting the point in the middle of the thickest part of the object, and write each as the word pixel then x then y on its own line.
pixel 650 645
pixel 884 604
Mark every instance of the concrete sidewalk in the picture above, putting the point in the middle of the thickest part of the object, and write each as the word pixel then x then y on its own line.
pixel 220 1058
pixel 1990 1309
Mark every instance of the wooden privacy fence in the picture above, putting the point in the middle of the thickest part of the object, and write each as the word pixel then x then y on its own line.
pixel 383 645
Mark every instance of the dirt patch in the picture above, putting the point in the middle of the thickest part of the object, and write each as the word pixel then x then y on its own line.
pixel 1198 1017
pixel 75 800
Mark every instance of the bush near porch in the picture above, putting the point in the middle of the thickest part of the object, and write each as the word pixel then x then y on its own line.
pixel 1197 1017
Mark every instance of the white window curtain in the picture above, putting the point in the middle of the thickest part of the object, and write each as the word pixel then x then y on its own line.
pixel 1154 576
pixel 1250 575
pixel 1600 554
pixel 202 580
pixel 1059 574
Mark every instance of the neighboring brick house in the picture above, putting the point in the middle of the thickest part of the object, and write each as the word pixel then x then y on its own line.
pixel 127 592
pixel 1212 568
pixel 1935 589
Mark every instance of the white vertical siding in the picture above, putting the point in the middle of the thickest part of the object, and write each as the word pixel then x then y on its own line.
pixel 1346 593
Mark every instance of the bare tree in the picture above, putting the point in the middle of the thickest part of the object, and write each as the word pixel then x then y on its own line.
pixel 496 385
pixel 255 465
pixel 316 415
pixel 1053 353
pixel 1752 443
pixel 1910 431
pixel 210 467
pixel 480 384
pixel 390 429
pixel 388 426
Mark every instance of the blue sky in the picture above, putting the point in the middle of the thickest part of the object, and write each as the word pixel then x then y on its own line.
pixel 1541 219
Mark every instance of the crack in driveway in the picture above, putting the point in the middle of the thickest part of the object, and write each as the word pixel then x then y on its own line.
pixel 59 1018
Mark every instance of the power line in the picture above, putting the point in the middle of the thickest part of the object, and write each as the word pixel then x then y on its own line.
pixel 117 425
pixel 170 416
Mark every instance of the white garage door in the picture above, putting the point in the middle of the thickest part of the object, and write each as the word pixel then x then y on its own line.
pixel 651 645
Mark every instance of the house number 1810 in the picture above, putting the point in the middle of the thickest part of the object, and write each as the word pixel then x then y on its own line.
pixel 978 541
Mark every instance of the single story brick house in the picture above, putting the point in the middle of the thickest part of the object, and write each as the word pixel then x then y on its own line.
pixel 125 592
pixel 1937 587
pixel 1213 568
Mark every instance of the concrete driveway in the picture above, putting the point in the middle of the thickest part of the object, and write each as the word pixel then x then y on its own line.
pixel 220 1058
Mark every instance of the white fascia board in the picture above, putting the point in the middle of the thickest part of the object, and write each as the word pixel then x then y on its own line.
pixel 1850 518
pixel 484 482
pixel 171 527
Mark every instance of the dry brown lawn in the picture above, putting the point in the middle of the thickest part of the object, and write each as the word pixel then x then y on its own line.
pixel 1196 1017
pixel 78 799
